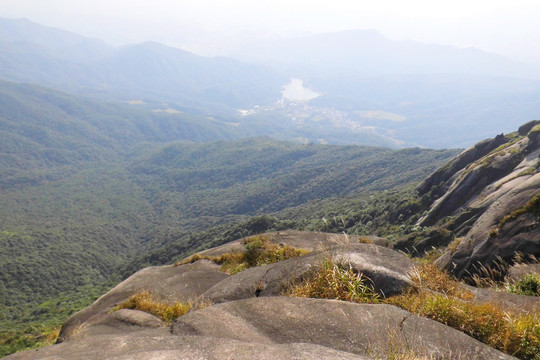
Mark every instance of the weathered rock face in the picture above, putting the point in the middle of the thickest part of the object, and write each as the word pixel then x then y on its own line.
pixel 388 270
pixel 360 329
pixel 249 319
pixel 487 241
pixel 438 182
pixel 184 282
pixel 279 328
pixel 487 201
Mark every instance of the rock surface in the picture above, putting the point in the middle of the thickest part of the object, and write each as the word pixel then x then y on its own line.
pixel 505 300
pixel 279 328
pixel 480 196
pixel 307 240
pixel 183 282
pixel 518 271
pixel 387 269
pixel 363 329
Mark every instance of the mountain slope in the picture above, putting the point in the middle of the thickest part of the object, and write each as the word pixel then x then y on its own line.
pixel 41 129
pixel 488 196
pixel 87 186
pixel 150 71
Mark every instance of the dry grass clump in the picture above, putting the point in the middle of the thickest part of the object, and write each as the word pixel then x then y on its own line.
pixel 259 251
pixel 440 297
pixel 429 276
pixel 364 240
pixel 518 335
pixel 454 244
pixel 335 281
pixel 145 301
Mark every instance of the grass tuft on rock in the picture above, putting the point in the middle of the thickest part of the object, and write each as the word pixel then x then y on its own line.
pixel 258 251
pixel 429 276
pixel 145 301
pixel 335 281
pixel 532 206
pixel 438 296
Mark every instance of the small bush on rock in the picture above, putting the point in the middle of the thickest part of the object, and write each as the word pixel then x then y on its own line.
pixel 527 285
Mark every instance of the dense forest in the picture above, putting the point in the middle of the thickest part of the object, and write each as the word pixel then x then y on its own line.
pixel 91 192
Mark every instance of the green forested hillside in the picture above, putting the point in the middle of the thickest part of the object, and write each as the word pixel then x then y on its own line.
pixel 91 191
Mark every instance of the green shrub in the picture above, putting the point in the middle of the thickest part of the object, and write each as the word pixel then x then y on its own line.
pixel 527 285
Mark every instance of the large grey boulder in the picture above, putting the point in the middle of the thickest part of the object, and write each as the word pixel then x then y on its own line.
pixel 306 240
pixel 157 345
pixel 387 269
pixel 279 328
pixel 363 329
pixel 184 282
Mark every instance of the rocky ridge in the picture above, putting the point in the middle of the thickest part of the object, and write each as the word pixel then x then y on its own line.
pixel 488 196
pixel 248 316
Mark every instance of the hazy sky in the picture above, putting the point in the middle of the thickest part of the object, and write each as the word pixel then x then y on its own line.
pixel 509 27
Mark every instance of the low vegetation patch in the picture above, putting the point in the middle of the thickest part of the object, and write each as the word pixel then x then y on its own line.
pixel 528 285
pixel 258 251
pixel 429 277
pixel 518 335
pixel 438 296
pixel 335 281
pixel 32 337
pixel 145 301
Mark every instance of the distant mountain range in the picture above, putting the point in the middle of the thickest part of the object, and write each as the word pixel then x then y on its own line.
pixel 148 71
pixel 443 96
pixel 368 53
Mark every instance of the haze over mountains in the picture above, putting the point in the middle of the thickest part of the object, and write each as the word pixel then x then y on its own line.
pixel 442 96
pixel 368 53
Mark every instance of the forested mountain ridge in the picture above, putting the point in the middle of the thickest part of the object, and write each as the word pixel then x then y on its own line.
pixel 150 71
pixel 87 186
pixel 481 208
pixel 447 107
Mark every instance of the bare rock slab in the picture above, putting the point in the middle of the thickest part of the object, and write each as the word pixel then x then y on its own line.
pixel 362 329
pixel 182 282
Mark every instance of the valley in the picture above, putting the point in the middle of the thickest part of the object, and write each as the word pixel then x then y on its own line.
pixel 405 173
